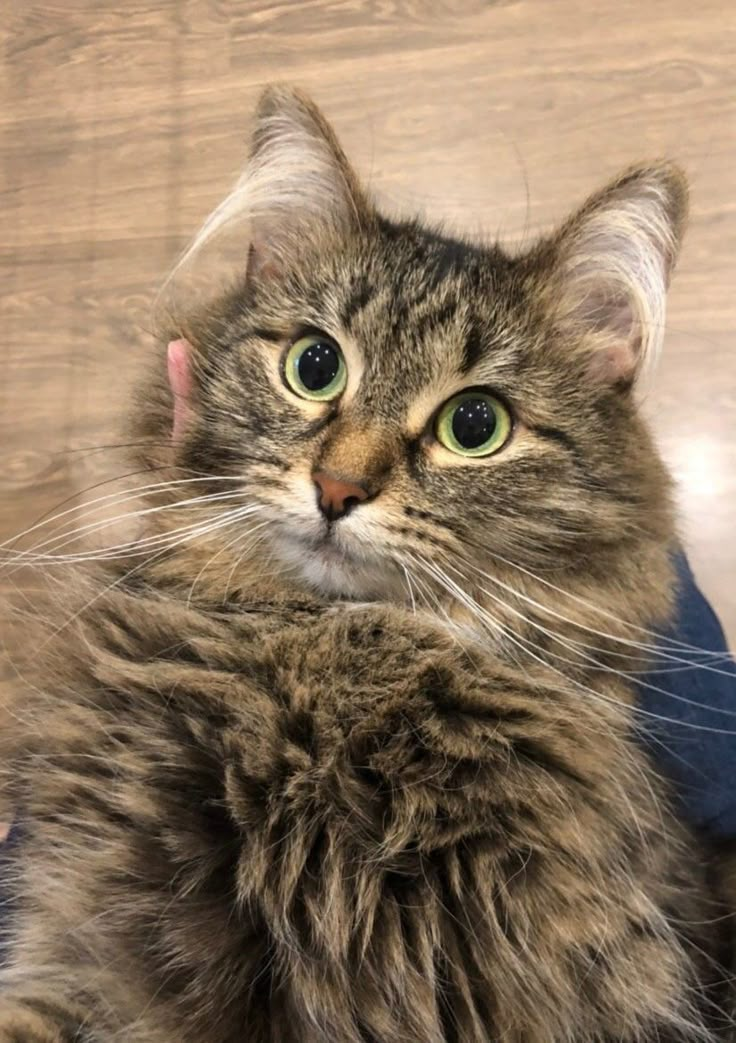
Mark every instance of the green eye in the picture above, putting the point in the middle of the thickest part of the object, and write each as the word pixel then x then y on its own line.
pixel 314 368
pixel 473 424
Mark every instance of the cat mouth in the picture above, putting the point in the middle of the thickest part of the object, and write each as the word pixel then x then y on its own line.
pixel 324 545
pixel 334 562
pixel 330 548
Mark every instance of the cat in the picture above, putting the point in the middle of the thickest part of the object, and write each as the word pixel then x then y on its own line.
pixel 343 746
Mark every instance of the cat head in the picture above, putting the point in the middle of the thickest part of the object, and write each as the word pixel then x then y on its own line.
pixel 394 400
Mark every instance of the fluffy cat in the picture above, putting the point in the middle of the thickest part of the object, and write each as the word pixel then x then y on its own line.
pixel 343 748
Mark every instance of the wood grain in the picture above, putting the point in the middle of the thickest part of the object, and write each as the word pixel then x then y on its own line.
pixel 122 124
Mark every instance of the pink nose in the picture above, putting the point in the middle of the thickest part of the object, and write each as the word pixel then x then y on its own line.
pixel 336 497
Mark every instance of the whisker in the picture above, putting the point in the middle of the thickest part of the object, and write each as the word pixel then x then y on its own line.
pixel 410 589
pixel 659 638
pixel 221 523
pixel 226 546
pixel 482 615
pixel 45 519
pixel 602 666
pixel 650 649
pixel 240 557
pixel 70 536
pixel 112 496
pixel 597 696
pixel 103 446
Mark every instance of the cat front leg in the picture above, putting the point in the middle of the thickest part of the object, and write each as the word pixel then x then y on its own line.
pixel 488 838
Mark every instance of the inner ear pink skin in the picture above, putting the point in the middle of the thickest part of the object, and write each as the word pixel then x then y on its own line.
pixel 180 382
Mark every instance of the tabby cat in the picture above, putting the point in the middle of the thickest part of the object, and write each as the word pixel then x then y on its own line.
pixel 342 746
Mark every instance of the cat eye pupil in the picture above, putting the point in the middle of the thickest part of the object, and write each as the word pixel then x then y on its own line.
pixel 318 365
pixel 314 368
pixel 473 423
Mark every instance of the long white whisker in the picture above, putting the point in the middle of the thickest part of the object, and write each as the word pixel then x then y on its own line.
pixel 251 542
pixel 35 553
pixel 659 638
pixel 575 647
pixel 409 589
pixel 597 696
pixel 210 560
pixel 651 649
pixel 463 596
pixel 602 666
pixel 443 579
pixel 220 523
pixel 88 505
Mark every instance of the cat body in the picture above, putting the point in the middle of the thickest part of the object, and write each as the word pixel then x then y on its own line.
pixel 355 758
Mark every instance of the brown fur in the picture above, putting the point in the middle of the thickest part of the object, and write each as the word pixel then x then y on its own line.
pixel 268 800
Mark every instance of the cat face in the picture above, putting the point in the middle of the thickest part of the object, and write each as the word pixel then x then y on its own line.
pixel 396 401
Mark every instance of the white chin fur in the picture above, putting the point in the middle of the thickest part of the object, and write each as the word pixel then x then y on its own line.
pixel 335 575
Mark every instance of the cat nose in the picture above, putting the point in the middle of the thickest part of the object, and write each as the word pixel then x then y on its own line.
pixel 336 497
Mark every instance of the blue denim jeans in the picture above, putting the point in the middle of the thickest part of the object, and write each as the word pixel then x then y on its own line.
pixel 691 732
pixel 688 721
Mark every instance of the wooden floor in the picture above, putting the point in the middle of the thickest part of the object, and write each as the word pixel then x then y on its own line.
pixel 122 124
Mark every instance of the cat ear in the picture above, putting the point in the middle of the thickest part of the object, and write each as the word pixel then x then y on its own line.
pixel 612 265
pixel 302 175
pixel 297 181
pixel 178 357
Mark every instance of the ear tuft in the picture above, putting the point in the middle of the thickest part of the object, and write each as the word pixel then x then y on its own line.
pixel 612 265
pixel 297 180
pixel 292 136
